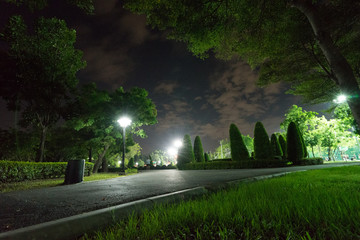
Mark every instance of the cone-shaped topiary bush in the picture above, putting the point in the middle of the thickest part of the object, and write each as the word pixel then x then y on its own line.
pixel 282 142
pixel 303 144
pixel 262 146
pixel 238 148
pixel 276 148
pixel 295 149
pixel 198 150
pixel 186 153
pixel 207 158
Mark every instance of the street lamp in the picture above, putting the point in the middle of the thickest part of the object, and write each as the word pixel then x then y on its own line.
pixel 177 143
pixel 124 122
pixel 340 99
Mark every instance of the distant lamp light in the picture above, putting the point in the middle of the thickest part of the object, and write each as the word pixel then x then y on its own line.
pixel 340 99
pixel 172 151
pixel 124 122
pixel 177 143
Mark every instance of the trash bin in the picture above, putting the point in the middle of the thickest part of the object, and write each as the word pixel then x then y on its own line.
pixel 74 171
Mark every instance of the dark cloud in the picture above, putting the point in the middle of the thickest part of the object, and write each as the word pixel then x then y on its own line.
pixel 166 87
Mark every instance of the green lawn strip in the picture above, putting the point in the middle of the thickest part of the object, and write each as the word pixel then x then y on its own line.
pixel 317 204
pixel 9 187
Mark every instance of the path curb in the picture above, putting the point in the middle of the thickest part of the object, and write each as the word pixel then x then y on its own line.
pixel 75 226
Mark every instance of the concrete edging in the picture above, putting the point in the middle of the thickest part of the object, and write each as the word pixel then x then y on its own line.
pixel 76 226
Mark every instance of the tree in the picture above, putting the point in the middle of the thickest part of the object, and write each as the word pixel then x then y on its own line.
pixel 262 146
pixel 206 156
pixel 160 157
pixel 186 153
pixel 198 150
pixel 295 149
pixel 97 112
pixel 47 63
pixel 342 112
pixel 276 148
pixel 33 5
pixel 299 116
pixel 282 142
pixel 239 151
pixel 310 44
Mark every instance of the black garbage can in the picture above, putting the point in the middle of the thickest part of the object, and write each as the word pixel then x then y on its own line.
pixel 74 171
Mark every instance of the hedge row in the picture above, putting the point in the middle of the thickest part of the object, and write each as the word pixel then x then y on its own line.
pixel 311 161
pixel 163 167
pixel 265 163
pixel 234 164
pixel 16 171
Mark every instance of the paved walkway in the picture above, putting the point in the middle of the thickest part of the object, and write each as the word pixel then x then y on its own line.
pixel 24 208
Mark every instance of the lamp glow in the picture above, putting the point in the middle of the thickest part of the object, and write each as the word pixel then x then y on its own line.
pixel 177 143
pixel 340 99
pixel 172 151
pixel 124 122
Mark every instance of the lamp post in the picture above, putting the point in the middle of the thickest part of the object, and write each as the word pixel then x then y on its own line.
pixel 124 122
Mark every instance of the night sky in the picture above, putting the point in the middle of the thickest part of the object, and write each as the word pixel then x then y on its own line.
pixel 193 96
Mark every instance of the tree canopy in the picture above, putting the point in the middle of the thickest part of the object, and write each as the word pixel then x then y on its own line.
pixel 313 45
pixel 45 73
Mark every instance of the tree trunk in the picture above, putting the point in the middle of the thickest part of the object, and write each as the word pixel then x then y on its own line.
pixel 90 154
pixel 329 153
pixel 40 152
pixel 312 150
pixel 16 119
pixel 105 165
pixel 100 158
pixel 339 65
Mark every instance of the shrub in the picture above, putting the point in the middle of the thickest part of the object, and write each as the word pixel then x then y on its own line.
pixel 207 158
pixel 311 161
pixel 295 149
pixel 160 168
pixel 262 146
pixel 249 163
pixel 198 150
pixel 131 170
pixel 15 171
pixel 238 148
pixel 89 166
pixel 268 163
pixel 221 160
pixel 131 163
pixel 186 153
pixel 216 165
pixel 282 142
pixel 276 148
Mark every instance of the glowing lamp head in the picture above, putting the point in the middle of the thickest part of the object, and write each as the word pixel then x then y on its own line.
pixel 172 151
pixel 178 143
pixel 340 99
pixel 124 122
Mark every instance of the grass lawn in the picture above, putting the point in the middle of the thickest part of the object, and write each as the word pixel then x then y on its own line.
pixel 317 204
pixel 8 187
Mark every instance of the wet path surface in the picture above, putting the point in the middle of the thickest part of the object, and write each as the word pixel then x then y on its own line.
pixel 24 208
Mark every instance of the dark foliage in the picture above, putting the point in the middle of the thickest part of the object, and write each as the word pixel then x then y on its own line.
pixel 282 142
pixel 186 153
pixel 276 148
pixel 238 148
pixel 198 150
pixel 295 149
pixel 207 158
pixel 262 146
